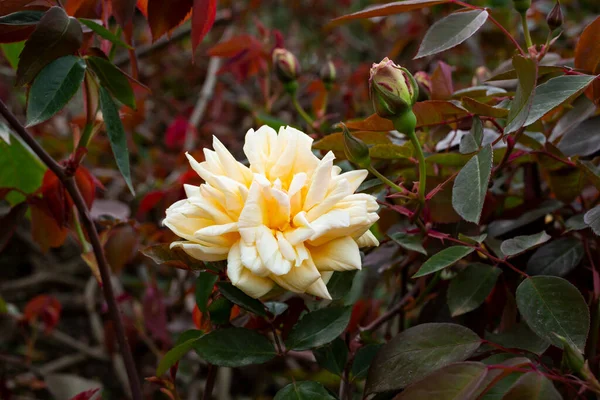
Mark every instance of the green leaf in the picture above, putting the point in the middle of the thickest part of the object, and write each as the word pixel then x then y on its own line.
pixel 340 283
pixel 409 242
pixel 471 184
pixel 234 347
pixel 576 223
pixel 416 352
pixel 113 79
pixel 470 287
pixel 451 31
pixel 533 386
pixel 519 108
pixel 443 259
pixel 54 86
pixel 116 135
pixel 582 109
pixel 520 336
pixel 471 142
pixel 22 18
pixel 304 390
pixel 276 308
pixel 318 328
pixel 363 360
pixel 555 92
pixel 20 169
pixel 556 258
pixel 12 51
pixel 583 140
pixel 236 296
pixel 520 244
pixel 333 356
pixel 502 226
pixel 500 387
pixel 455 381
pixel 204 287
pixel 103 32
pixel 592 219
pixel 553 305
pixel 220 310
pixel 55 35
pixel 178 351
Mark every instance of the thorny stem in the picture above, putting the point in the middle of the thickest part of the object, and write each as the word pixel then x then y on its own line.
pixel 385 180
pixel 422 172
pixel 88 223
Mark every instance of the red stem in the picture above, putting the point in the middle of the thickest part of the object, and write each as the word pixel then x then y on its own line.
pixel 86 218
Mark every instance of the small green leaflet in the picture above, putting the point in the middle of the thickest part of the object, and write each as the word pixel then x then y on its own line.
pixel 22 18
pixel 469 289
pixel 103 32
pixel 113 79
pixel 409 242
pixel 204 287
pixel 304 390
pixel 521 104
pixel 471 184
pixel 318 328
pixel 178 351
pixel 116 135
pixel 592 219
pixel 443 259
pixel 520 244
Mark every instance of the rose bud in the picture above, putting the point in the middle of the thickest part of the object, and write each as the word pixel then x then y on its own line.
pixel 328 74
pixel 286 66
pixel 355 149
pixel 424 83
pixel 393 89
pixel 522 5
pixel 555 17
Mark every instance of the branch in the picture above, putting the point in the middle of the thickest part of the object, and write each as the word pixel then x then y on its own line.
pixel 84 213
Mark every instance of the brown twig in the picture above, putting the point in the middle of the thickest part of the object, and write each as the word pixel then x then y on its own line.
pixel 70 185
pixel 392 311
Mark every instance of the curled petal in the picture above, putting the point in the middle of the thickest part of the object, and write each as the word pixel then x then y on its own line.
pixel 367 240
pixel 298 279
pixel 337 255
pixel 253 285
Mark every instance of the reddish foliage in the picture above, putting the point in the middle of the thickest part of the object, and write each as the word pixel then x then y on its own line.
pixel 87 395
pixel 176 132
pixel 44 307
pixel 203 18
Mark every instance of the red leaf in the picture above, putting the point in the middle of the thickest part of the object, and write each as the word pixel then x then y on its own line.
pixel 120 247
pixel 164 16
pixel 203 18
pixel 176 132
pixel 87 395
pixel 587 56
pixel 11 6
pixel 142 5
pixel 150 200
pixel 123 11
pixel 155 314
pixel 45 230
pixel 45 307
pixel 201 323
pixel 9 222
pixel 82 8
pixel 388 9
pixel 441 82
pixel 374 123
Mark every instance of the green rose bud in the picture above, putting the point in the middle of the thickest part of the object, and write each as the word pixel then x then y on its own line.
pixel 328 74
pixel 522 5
pixel 555 17
pixel 286 66
pixel 355 149
pixel 393 89
pixel 572 357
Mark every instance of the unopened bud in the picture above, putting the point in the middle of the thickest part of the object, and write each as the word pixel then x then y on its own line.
pixel 328 74
pixel 424 82
pixel 393 89
pixel 355 149
pixel 555 17
pixel 286 66
pixel 522 5
pixel 572 357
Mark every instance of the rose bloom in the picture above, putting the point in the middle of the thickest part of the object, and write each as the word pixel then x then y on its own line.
pixel 288 219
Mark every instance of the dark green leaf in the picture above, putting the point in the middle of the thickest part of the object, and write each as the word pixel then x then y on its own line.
pixel 220 311
pixel 451 31
pixel 500 227
pixel 409 242
pixel 55 35
pixel 276 308
pixel 454 381
pixel 178 351
pixel 443 259
pixel 582 109
pixel 204 287
pixel 22 18
pixel 304 390
pixel 470 287
pixel 555 92
pixel 582 141
pixel 12 51
pixel 519 108
pixel 340 283
pixel 363 359
pixel 113 79
pixel 500 387
pixel 592 219
pixel 236 296
pixel 533 386
pixel 103 32
pixel 54 86
pixel 234 347
pixel 520 244
pixel 556 258
pixel 416 352
pixel 520 336
pixel 576 223
pixel 471 184
pixel 318 328
pixel 333 356
pixel 116 135
pixel 471 142
pixel 20 169
pixel 552 305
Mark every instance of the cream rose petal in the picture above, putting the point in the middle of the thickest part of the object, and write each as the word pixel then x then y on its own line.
pixel 253 285
pixel 337 255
